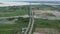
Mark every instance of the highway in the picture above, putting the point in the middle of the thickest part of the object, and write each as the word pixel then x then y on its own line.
pixel 31 22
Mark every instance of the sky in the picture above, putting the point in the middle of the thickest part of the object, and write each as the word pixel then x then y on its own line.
pixel 26 0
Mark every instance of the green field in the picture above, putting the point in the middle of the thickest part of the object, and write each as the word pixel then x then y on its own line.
pixel 20 23
pixel 45 23
pixel 13 11
pixel 46 7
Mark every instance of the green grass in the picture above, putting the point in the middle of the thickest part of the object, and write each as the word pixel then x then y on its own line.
pixel 7 26
pixel 49 14
pixel 3 27
pixel 6 32
pixel 21 22
pixel 44 23
pixel 47 7
pixel 16 13
pixel 13 11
